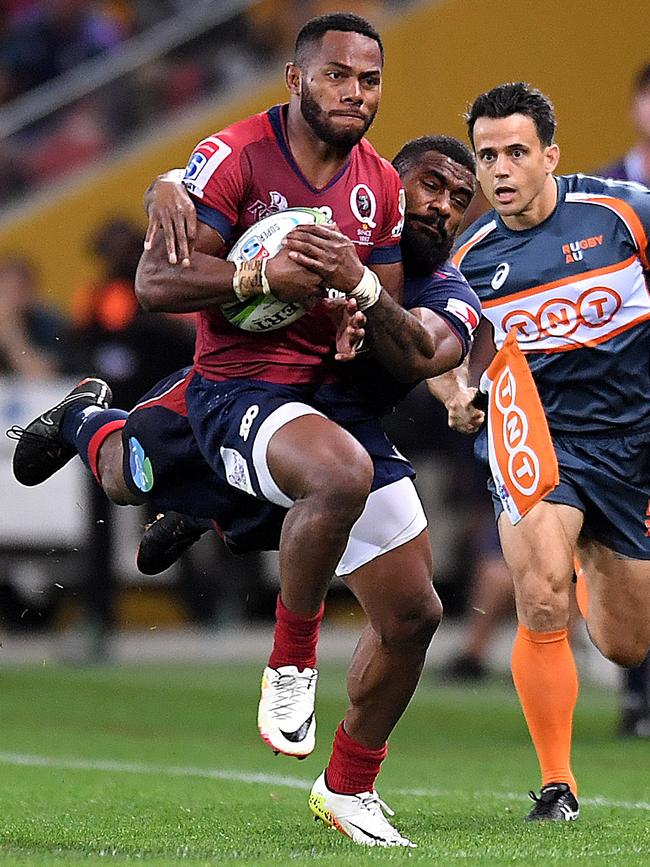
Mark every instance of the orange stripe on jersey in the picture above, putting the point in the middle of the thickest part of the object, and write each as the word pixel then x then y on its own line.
pixel 460 254
pixel 565 281
pixel 630 218
pixel 568 347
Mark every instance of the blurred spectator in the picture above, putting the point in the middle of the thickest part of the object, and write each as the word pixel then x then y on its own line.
pixel 76 138
pixel 112 337
pixel 32 334
pixel 491 599
pixel 635 164
pixel 58 36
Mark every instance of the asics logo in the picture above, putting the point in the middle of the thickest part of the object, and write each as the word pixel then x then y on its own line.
pixel 300 733
pixel 500 275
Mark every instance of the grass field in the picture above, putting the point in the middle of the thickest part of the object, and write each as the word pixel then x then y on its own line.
pixel 163 765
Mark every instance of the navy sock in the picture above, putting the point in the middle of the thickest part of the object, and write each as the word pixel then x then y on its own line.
pixel 636 684
pixel 80 424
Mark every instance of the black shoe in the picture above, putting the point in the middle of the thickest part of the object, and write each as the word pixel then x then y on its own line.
pixel 40 451
pixel 556 803
pixel 166 538
pixel 464 668
pixel 634 724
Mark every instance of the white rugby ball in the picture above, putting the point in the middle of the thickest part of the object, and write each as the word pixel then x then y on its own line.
pixel 261 241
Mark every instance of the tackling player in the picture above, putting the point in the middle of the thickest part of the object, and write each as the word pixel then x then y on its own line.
pixel 402 614
pixel 564 261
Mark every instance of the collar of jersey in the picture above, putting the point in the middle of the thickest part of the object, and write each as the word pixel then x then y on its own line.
pixel 277 119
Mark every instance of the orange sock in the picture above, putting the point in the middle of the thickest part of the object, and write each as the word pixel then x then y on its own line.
pixel 546 680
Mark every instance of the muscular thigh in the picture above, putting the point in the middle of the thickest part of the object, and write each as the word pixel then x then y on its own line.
pixel 619 591
pixel 397 584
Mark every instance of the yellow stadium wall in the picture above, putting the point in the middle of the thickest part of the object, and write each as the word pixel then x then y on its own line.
pixel 438 57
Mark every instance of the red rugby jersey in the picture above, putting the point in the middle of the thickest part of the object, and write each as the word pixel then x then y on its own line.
pixel 246 172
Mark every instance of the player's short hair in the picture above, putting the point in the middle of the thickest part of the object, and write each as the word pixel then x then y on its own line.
pixel 446 145
pixel 313 31
pixel 641 79
pixel 515 97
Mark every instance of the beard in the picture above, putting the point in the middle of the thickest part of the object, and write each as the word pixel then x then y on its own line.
pixel 317 119
pixel 422 252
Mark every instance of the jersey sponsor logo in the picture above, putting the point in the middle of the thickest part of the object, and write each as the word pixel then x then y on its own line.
pixel 463 311
pixel 580 311
pixel 259 209
pixel 574 250
pixel 237 473
pixel 560 317
pixel 522 459
pixel 207 157
pixel 647 519
pixel 363 205
pixel 500 275
pixel 196 163
pixel 140 466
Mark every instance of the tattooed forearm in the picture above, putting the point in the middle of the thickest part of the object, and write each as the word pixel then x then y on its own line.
pixel 399 339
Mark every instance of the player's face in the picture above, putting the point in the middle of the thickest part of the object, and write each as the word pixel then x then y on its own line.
pixel 438 192
pixel 340 88
pixel 514 169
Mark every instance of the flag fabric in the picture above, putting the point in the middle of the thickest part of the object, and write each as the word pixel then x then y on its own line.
pixel 522 458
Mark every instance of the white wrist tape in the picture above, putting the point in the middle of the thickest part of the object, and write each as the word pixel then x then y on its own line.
pixel 367 290
pixel 250 279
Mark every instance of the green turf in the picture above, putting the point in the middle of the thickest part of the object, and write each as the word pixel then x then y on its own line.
pixel 174 750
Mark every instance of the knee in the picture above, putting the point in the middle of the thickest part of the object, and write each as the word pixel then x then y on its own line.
pixel 343 490
pixel 542 600
pixel 412 625
pixel 115 487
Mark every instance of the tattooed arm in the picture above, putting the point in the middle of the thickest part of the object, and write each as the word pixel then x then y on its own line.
pixel 413 345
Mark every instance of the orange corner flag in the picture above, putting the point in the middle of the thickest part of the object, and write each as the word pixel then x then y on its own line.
pixel 522 458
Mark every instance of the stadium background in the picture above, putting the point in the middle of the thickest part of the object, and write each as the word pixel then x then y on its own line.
pixel 439 54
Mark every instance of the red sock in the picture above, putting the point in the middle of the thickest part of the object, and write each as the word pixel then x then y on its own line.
pixel 546 681
pixel 352 767
pixel 295 637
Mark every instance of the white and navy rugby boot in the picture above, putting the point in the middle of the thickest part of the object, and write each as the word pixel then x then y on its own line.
pixel 285 716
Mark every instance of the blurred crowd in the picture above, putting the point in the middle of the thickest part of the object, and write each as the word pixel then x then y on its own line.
pixel 42 41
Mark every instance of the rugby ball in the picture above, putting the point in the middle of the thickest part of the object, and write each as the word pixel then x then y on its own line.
pixel 263 240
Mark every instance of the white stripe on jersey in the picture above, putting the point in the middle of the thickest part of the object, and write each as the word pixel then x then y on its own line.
pixel 587 311
pixel 597 199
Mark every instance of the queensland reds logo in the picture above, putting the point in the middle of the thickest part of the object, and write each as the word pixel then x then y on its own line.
pixel 523 463
pixel 364 205
pixel 560 317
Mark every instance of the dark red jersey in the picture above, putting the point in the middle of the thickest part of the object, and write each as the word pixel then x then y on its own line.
pixel 246 172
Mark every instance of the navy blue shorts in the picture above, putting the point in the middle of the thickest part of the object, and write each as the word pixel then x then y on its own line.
pixel 193 445
pixel 607 477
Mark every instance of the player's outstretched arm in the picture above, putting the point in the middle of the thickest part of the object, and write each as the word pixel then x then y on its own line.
pixel 452 390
